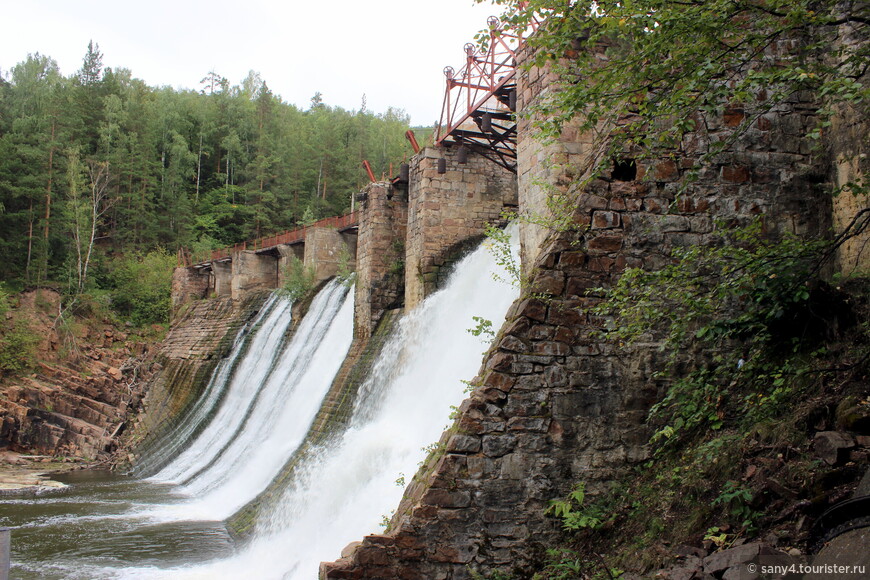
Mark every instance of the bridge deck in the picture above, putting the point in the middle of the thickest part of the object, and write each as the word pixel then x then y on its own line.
pixel 341 223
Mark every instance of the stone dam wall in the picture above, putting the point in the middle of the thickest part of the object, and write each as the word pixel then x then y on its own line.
pixel 553 404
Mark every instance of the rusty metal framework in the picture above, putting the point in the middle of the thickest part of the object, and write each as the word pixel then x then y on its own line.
pixel 480 99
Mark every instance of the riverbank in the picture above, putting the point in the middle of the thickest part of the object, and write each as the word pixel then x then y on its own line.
pixel 34 473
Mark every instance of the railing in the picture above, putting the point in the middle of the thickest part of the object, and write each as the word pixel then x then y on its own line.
pixel 186 258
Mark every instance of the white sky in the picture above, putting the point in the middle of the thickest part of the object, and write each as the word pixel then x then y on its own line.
pixel 391 50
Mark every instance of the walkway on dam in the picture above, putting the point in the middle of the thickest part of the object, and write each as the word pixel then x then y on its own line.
pixel 342 223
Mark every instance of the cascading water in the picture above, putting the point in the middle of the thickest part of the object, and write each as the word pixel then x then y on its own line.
pixel 164 527
pixel 342 491
pixel 274 391
pixel 265 414
pixel 274 317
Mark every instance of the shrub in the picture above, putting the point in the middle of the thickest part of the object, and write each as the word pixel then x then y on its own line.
pixel 142 287
pixel 17 341
pixel 298 280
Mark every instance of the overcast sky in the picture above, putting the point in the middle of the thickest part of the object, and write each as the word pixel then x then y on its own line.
pixel 393 51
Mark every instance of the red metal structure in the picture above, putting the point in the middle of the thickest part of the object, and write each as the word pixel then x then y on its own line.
pixel 341 223
pixel 480 99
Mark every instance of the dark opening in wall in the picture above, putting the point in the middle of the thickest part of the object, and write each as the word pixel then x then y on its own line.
pixel 624 170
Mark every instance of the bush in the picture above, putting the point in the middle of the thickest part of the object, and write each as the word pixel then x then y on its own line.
pixel 17 341
pixel 142 287
pixel 299 280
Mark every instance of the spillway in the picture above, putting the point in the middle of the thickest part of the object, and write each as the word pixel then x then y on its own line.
pixel 261 405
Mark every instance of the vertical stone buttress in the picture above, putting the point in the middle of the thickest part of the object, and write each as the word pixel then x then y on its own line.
pixel 380 255
pixel 554 405
pixel 252 272
pixel 326 249
pixel 849 151
pixel 189 283
pixel 223 276
pixel 446 210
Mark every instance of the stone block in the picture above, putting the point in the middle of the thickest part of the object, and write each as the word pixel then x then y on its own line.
pixel 605 243
pixel 446 498
pixel 736 173
pixel 498 445
pixel 463 444
pixel 549 282
pixel 832 446
pixel 605 219
pixel 665 171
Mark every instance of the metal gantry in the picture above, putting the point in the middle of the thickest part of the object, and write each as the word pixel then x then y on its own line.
pixel 480 99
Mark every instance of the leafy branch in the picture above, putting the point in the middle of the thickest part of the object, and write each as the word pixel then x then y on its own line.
pixel 745 313
pixel 639 75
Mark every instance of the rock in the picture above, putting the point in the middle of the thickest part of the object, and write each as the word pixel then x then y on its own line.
pixel 732 564
pixel 832 446
pixel 863 486
pixel 115 373
pixel 689 569
pixel 854 415
pixel 349 549
pixel 10 457
pixel 719 561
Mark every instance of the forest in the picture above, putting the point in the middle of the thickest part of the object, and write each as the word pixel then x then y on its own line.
pixel 98 168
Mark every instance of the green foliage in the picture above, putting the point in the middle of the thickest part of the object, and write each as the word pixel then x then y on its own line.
pixel 142 287
pixel 667 60
pixel 717 536
pixel 494 575
pixel 737 499
pixel 178 167
pixel 575 513
pixel 739 310
pixel 4 300
pixel 396 267
pixel 17 341
pixel 298 280
pixel 567 564
pixel 498 242
pixel 386 519
pixel 483 328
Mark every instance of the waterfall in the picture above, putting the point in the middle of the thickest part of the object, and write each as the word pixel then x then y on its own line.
pixel 343 491
pixel 268 407
pixel 261 402
pixel 273 318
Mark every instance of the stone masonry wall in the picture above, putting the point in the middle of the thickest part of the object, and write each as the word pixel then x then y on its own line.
pixel 541 169
pixel 251 272
pixel 223 276
pixel 849 150
pixel 380 255
pixel 189 284
pixel 446 209
pixel 555 405
pixel 325 248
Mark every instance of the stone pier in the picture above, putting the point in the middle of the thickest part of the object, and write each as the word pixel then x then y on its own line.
pixel 447 212
pixel 380 255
